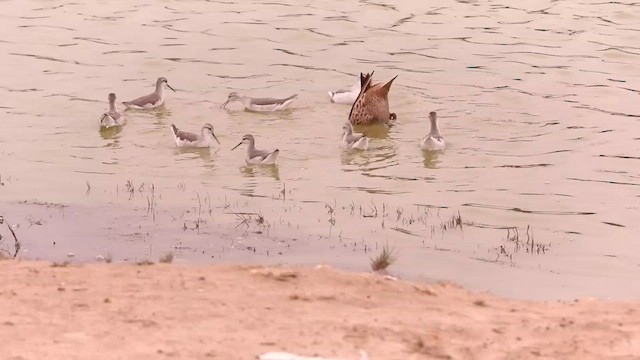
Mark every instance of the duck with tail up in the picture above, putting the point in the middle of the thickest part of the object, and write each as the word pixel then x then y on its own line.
pixel 372 104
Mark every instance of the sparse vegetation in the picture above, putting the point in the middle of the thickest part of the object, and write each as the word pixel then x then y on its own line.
pixel 384 259
pixel 16 244
pixel 166 258
pixel 56 264
pixel 514 244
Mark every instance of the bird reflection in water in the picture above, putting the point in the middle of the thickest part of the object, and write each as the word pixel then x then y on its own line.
pixel 110 133
pixel 431 158
pixel 262 171
pixel 375 158
pixel 202 153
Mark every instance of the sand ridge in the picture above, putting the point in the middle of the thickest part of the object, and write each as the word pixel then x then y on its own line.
pixel 122 311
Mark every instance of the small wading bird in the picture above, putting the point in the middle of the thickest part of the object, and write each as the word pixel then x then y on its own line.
pixel 260 104
pixel 353 141
pixel 433 141
pixel 372 104
pixel 189 139
pixel 113 117
pixel 255 156
pixel 346 96
pixel 152 100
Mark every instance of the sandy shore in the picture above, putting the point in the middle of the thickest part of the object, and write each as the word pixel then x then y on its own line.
pixel 116 311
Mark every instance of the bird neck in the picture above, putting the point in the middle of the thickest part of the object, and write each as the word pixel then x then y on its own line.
pixel 435 131
pixel 246 101
pixel 112 106
pixel 206 134
pixel 160 89
pixel 251 148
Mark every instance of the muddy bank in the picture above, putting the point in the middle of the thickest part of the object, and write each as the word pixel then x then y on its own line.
pixel 218 233
pixel 118 311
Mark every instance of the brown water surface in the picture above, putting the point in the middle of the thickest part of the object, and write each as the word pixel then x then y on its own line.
pixel 537 100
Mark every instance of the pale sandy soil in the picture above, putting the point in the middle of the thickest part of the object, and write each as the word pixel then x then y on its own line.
pixel 114 311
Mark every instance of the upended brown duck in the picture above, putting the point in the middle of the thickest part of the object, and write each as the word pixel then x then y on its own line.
pixel 372 104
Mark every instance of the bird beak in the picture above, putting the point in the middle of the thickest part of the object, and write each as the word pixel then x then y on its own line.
pixel 224 104
pixel 215 137
pixel 240 143
pixel 169 86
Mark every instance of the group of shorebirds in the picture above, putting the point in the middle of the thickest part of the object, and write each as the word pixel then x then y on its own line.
pixel 369 106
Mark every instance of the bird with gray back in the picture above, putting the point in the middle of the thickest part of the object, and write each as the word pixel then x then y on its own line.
pixel 112 117
pixel 260 104
pixel 255 156
pixel 433 141
pixel 347 95
pixel 189 139
pixel 152 100
pixel 351 140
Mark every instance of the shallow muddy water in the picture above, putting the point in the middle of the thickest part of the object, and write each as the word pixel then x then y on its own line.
pixel 538 102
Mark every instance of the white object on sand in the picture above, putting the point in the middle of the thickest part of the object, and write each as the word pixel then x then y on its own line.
pixel 279 355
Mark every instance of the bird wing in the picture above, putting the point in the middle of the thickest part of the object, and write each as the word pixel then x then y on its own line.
pixel 152 99
pixel 271 101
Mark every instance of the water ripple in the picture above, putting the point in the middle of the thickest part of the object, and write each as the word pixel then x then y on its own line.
pixel 537 212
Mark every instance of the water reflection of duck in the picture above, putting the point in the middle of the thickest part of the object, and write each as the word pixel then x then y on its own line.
pixel 433 140
pixel 372 104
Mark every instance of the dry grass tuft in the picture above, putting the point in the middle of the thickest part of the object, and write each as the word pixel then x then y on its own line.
pixel 61 264
pixel 384 260
pixel 166 258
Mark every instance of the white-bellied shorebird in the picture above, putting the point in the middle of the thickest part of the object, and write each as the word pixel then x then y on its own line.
pixel 353 141
pixel 152 100
pixel 260 104
pixel 255 156
pixel 346 96
pixel 113 117
pixel 189 139
pixel 433 141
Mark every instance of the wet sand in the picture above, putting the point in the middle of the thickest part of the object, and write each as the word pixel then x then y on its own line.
pixel 234 233
pixel 118 311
